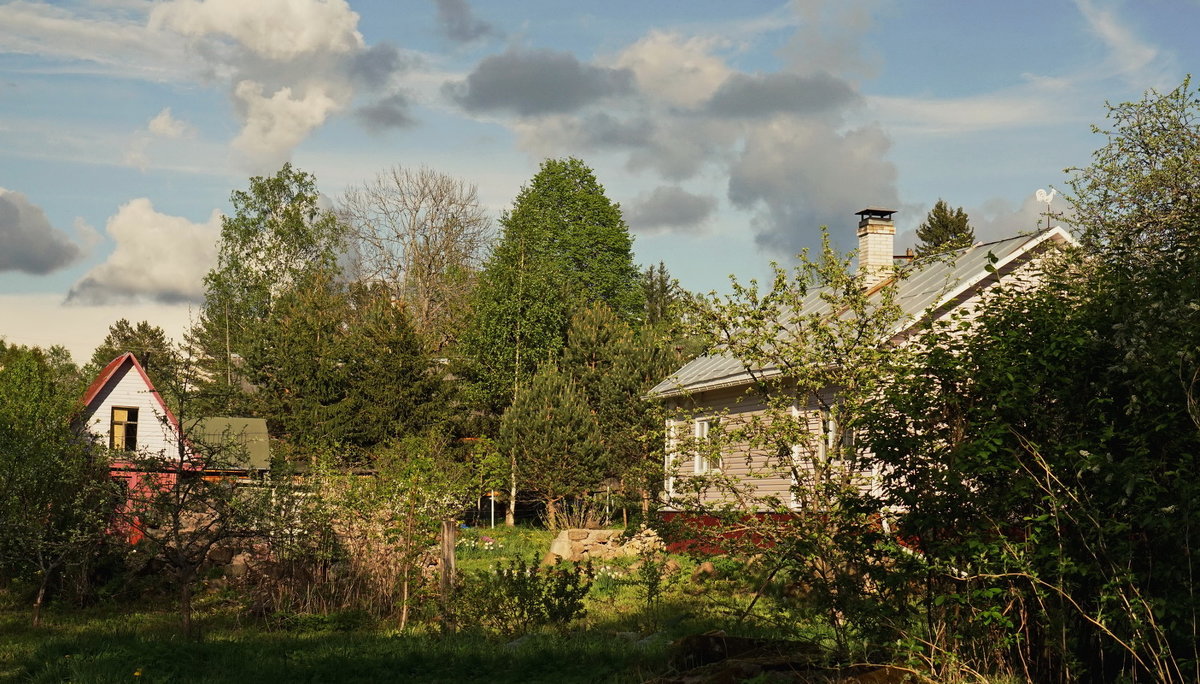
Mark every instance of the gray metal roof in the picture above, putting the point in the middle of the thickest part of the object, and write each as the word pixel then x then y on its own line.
pixel 929 284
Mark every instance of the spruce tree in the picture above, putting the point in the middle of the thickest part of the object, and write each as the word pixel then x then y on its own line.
pixel 944 230
pixel 553 439
pixel 278 236
pixel 563 245
pixel 338 364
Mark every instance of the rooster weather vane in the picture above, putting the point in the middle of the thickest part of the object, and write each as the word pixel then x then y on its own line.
pixel 1047 198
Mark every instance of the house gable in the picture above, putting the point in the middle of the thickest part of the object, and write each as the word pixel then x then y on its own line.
pixel 124 385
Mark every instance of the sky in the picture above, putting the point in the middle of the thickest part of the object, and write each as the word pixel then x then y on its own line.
pixel 729 132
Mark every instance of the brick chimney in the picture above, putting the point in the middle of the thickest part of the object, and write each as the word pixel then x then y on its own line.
pixel 876 232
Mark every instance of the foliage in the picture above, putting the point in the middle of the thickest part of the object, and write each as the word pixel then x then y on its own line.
pixel 553 438
pixel 817 345
pixel 614 366
pixel 563 244
pixel 177 513
pixel 340 540
pixel 422 233
pixel 277 238
pixel 53 484
pixel 944 230
pixel 520 596
pixel 148 343
pixel 341 364
pixel 1042 453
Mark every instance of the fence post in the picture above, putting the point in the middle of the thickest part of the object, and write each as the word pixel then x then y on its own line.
pixel 449 537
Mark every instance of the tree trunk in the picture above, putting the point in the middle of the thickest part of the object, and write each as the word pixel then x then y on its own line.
pixel 404 599
pixel 39 599
pixel 510 514
pixel 185 606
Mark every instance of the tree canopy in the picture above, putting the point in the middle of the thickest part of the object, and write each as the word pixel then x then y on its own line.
pixel 563 245
pixel 277 237
pixel 944 230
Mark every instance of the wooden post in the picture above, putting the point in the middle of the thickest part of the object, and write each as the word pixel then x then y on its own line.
pixel 449 536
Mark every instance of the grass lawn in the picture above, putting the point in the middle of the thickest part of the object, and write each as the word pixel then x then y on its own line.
pixel 620 640
pixel 107 646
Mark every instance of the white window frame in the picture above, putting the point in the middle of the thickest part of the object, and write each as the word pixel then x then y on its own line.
pixel 701 463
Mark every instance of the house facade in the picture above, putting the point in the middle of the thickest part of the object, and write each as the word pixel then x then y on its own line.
pixel 717 389
pixel 126 413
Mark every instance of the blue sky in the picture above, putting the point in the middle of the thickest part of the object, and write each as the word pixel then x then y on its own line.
pixel 729 132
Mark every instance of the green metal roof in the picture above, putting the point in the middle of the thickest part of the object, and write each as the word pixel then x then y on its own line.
pixel 232 443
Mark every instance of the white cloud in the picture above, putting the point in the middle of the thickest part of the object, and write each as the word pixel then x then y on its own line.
pixel 986 112
pixel 679 71
pixel 288 64
pixel 278 30
pixel 167 126
pixel 275 124
pixel 157 257
pixel 1129 56
pixel 121 46
pixel 44 320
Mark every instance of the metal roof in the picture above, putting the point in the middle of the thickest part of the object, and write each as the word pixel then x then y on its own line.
pixel 236 443
pixel 929 284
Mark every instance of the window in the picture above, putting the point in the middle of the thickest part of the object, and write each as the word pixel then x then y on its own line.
pixel 122 436
pixel 704 461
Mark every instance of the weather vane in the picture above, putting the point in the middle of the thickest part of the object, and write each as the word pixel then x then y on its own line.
pixel 1047 198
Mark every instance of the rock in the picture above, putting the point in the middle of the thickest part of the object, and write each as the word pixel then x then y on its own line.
pixel 562 545
pixel 670 567
pixel 577 535
pixel 551 558
pixel 704 571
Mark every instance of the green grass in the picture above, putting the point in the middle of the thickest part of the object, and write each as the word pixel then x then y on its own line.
pixel 107 646
pixel 620 639
pixel 479 548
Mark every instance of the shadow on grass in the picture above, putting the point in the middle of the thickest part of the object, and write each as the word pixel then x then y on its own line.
pixel 146 649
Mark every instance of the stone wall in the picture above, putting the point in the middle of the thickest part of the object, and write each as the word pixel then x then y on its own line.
pixel 582 545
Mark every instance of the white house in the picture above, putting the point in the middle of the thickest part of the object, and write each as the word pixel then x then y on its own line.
pixel 124 410
pixel 717 386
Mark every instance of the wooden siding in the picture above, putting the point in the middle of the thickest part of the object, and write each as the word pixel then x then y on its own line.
pixel 734 406
pixel 155 434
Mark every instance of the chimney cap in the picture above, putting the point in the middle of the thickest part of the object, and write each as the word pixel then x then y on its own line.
pixel 875 212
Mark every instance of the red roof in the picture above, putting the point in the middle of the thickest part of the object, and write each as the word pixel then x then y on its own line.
pixel 112 370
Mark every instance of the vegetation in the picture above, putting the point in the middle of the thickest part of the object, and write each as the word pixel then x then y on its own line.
pixel 944 230
pixel 1032 461
pixel 147 342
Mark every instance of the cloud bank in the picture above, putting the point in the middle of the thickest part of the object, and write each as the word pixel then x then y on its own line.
pixel 28 243
pixel 157 258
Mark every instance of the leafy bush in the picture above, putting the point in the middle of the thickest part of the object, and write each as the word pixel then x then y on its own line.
pixel 520 595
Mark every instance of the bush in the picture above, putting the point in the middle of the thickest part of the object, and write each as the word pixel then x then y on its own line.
pixel 519 596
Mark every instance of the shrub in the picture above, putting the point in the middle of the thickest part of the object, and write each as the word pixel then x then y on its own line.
pixel 518 596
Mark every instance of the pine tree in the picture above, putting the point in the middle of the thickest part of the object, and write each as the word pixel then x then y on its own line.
pixel 553 439
pixel 147 342
pixel 944 230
